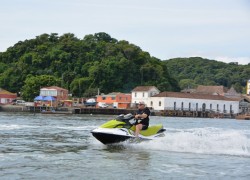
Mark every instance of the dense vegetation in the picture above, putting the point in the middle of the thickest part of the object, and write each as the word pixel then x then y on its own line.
pixel 100 61
pixel 80 65
pixel 190 72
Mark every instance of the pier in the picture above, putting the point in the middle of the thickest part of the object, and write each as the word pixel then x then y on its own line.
pixel 114 111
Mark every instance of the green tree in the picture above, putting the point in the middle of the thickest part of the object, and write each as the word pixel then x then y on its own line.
pixel 187 84
pixel 33 84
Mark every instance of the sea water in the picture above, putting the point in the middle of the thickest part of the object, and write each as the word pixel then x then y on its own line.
pixel 42 146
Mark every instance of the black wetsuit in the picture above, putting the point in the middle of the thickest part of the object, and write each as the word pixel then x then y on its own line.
pixel 145 121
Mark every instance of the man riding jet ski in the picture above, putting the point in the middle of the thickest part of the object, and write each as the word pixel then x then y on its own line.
pixel 122 128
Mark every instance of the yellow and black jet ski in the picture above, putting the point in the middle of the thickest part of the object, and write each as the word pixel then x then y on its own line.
pixel 122 128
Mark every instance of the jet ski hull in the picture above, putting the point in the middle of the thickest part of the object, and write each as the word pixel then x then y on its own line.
pixel 109 138
pixel 117 135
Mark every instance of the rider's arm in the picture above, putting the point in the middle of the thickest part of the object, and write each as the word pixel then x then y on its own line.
pixel 141 116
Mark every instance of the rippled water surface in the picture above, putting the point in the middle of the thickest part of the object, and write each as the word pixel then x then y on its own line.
pixel 38 146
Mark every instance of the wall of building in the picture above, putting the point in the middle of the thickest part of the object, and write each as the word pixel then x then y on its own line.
pixel 7 98
pixel 145 96
pixel 164 103
pixel 119 100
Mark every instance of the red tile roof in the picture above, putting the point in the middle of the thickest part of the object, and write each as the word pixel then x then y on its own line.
pixel 5 92
pixel 193 96
pixel 211 89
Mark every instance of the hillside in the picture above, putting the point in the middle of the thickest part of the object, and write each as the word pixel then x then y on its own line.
pixel 101 62
pixel 80 65
pixel 193 71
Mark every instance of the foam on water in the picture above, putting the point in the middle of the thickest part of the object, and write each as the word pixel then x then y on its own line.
pixel 79 128
pixel 15 126
pixel 202 140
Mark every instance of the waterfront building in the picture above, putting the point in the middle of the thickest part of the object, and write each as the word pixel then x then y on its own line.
pixel 217 90
pixel 57 93
pixel 214 90
pixel 6 97
pixel 194 102
pixel 143 93
pixel 115 99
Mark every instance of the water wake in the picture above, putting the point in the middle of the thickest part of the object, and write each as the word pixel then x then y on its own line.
pixel 202 140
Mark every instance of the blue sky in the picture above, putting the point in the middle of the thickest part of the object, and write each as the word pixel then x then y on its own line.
pixel 213 29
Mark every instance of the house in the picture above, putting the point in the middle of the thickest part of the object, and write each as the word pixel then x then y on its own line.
pixel 217 90
pixel 194 102
pixel 245 104
pixel 6 97
pixel 214 90
pixel 143 93
pixel 115 99
pixel 60 94
pixel 232 93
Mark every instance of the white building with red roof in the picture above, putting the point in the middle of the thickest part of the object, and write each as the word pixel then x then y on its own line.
pixel 194 102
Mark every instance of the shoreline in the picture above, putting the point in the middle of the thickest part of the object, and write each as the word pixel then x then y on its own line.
pixel 111 111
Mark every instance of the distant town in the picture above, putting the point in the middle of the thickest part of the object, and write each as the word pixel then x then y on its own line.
pixel 204 101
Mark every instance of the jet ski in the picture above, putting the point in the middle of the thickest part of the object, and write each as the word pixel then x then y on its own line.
pixel 122 128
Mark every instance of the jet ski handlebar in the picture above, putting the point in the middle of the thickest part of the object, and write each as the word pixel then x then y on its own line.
pixel 126 117
pixel 129 119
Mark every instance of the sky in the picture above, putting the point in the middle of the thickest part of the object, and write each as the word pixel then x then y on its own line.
pixel 213 29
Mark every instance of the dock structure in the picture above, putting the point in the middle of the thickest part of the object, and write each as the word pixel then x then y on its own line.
pixel 196 114
pixel 103 111
pixel 116 111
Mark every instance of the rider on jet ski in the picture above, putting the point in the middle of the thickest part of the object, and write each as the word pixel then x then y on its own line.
pixel 142 117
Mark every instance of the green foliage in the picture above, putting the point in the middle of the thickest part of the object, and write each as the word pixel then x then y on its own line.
pixel 101 62
pixel 187 84
pixel 198 71
pixel 80 65
pixel 33 84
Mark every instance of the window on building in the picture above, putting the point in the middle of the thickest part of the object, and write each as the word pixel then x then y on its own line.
pixel 103 98
pixel 196 106
pixel 174 105
pixel 143 94
pixel 224 108
pixel 203 107
pixel 189 106
pixel 151 103
pixel 182 104
pixel 159 103
pixel 231 108
pixel 217 107
pixel 135 94
pixel 211 106
pixel 113 98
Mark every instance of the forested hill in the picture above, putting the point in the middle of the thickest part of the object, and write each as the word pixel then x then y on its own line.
pixel 190 72
pixel 100 61
pixel 80 65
